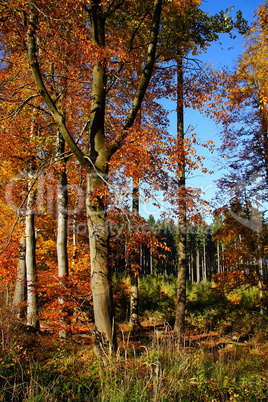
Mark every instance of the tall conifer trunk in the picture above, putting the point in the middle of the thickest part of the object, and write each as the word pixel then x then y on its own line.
pixel 181 245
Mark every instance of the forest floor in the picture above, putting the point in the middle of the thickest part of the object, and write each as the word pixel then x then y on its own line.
pixel 149 365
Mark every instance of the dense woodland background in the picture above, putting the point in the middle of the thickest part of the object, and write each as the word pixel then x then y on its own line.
pixel 97 299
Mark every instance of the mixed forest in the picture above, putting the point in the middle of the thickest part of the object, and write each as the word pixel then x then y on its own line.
pixel 99 301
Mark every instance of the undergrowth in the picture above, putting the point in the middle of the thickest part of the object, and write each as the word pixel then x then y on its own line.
pixel 149 366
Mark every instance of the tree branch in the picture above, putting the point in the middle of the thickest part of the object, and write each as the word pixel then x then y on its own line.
pixel 19 108
pixel 145 76
pixel 148 69
pixel 57 116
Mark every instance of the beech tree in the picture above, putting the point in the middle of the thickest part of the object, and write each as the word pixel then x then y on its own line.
pixel 87 67
pixel 36 27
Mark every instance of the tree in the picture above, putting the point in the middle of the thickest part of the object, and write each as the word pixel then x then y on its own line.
pixel 195 30
pixel 238 104
pixel 88 22
pixel 88 79
pixel 244 247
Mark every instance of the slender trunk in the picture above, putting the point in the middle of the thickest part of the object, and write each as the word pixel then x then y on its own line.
pixel 62 213
pixel 222 265
pixel 260 273
pixel 101 284
pixel 74 238
pixel 30 256
pixel 181 245
pixel 197 264
pixel 151 271
pixel 204 273
pixel 134 274
pixel 19 292
pixel 261 285
pixel 192 266
pixel 62 254
pixel 264 131
pixel 218 258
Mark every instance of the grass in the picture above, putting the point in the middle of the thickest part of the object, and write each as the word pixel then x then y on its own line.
pixel 149 365
pixel 161 371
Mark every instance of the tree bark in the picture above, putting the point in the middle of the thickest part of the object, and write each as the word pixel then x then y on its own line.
pixel 101 284
pixel 134 274
pixel 62 231
pixel 264 132
pixel 62 212
pixel 197 264
pixel 32 320
pixel 19 293
pixel 181 245
pixel 204 262
pixel 218 258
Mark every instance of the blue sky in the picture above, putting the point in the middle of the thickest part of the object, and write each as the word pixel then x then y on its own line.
pixel 224 52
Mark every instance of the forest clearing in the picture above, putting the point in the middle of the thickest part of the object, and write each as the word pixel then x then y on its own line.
pixel 101 298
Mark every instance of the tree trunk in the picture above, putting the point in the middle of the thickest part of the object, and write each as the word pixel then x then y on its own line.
pixel 101 286
pixel 261 284
pixel 62 254
pixel 19 292
pixel 181 245
pixel 197 264
pixel 204 265
pixel 264 131
pixel 134 274
pixel 74 238
pixel 30 255
pixel 218 258
pixel 260 272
